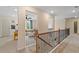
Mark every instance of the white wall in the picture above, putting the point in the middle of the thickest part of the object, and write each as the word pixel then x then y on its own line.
pixel 0 27
pixel 43 20
pixel 59 23
pixel 5 28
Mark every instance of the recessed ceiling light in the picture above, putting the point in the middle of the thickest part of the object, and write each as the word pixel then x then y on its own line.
pixel 15 9
pixel 75 16
pixel 51 11
pixel 73 11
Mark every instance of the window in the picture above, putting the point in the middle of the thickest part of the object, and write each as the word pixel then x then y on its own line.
pixel 29 24
pixel 50 23
pixel 31 20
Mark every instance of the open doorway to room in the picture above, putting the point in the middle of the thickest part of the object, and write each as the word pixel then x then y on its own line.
pixel 75 26
pixel 30 27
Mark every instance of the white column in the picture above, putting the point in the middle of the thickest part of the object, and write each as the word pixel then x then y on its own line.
pixel 21 29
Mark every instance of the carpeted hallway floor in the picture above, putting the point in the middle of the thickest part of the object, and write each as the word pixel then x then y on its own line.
pixel 69 45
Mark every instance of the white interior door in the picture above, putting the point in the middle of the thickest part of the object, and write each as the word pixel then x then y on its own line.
pixel 5 27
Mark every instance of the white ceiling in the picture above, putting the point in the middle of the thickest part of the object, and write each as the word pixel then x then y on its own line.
pixel 8 11
pixel 63 11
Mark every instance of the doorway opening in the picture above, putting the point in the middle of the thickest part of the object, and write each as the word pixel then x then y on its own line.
pixel 75 27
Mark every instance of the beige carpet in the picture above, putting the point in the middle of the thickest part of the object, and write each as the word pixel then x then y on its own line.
pixel 69 45
pixel 9 47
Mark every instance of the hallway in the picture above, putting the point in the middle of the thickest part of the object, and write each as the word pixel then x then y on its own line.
pixel 69 45
pixel 11 46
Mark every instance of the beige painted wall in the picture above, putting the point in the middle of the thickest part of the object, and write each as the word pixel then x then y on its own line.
pixel 43 19
pixel 70 24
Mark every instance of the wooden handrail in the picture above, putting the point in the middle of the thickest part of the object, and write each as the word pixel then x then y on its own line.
pixel 46 33
pixel 37 36
pixel 45 41
pixel 52 31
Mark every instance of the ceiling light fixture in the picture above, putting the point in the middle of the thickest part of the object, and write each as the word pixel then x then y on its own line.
pixel 73 11
pixel 75 16
pixel 15 10
pixel 52 12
